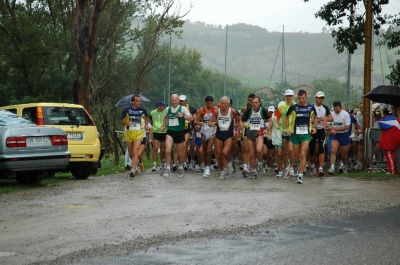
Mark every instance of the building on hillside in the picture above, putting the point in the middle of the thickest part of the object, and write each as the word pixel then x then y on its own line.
pixel 309 89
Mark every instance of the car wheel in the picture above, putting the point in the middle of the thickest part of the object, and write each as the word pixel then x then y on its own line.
pixel 50 174
pixel 82 170
pixel 30 178
pixel 94 171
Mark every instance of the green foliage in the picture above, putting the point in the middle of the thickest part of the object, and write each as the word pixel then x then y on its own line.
pixel 391 38
pixel 32 53
pixel 349 37
pixel 336 91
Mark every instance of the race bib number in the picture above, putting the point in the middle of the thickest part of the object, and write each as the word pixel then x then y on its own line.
pixel 205 125
pixel 173 122
pixel 255 126
pixel 135 126
pixel 198 134
pixel 302 129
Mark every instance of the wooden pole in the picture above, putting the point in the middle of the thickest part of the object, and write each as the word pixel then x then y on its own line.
pixel 367 71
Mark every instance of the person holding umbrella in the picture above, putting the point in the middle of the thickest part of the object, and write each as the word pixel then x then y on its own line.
pixel 132 117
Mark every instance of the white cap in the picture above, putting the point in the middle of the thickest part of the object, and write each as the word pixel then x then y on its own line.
pixel 289 92
pixel 182 97
pixel 320 94
pixel 375 106
pixel 271 108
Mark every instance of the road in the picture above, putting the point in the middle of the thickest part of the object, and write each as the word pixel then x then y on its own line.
pixel 148 219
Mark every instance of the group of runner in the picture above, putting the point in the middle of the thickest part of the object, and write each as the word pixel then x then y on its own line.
pixel 288 135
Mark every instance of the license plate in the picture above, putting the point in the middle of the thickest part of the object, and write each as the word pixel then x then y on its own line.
pixel 74 136
pixel 38 140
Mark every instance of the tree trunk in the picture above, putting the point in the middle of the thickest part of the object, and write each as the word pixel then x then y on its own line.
pixel 86 43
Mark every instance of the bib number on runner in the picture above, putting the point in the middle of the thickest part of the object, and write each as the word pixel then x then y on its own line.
pixel 302 129
pixel 255 126
pixel 173 122
pixel 135 126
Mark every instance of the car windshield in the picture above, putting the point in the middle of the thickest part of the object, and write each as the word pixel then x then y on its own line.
pixel 10 119
pixel 66 116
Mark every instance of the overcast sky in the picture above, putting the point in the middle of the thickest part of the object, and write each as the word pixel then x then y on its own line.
pixel 295 15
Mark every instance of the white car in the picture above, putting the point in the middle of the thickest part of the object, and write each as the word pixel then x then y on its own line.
pixel 28 152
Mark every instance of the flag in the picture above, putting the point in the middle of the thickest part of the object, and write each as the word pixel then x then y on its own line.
pixel 389 122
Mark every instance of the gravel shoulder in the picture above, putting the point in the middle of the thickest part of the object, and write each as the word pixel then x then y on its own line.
pixel 116 214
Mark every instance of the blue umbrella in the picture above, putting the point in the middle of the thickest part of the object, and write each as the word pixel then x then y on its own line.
pixel 126 101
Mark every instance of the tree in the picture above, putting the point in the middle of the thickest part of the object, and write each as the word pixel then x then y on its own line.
pixel 156 25
pixel 34 47
pixel 85 16
pixel 391 38
pixel 348 37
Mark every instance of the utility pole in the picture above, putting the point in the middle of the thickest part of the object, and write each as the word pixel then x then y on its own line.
pixel 348 77
pixel 367 69
pixel 226 50
pixel 283 61
pixel 169 69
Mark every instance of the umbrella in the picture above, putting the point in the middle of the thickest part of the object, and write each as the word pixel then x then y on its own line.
pixel 126 101
pixel 385 94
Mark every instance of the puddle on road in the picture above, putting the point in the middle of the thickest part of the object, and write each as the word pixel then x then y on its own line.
pixel 7 254
pixel 104 197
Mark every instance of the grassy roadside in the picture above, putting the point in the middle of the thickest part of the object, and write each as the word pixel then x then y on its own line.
pixel 371 175
pixel 107 168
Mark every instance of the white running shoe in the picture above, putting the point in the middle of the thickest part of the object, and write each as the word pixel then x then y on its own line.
pixel 223 173
pixel 230 168
pixel 180 172
pixel 166 173
pixel 206 172
pixel 253 174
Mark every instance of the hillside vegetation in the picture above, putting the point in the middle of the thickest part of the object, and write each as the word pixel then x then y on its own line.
pixel 254 55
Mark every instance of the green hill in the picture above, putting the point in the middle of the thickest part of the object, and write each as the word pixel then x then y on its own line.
pixel 254 55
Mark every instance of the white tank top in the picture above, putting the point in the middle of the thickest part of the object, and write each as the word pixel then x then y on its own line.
pixel 205 129
pixel 224 121
pixel 255 121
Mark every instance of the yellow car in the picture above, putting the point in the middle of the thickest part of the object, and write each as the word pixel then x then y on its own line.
pixel 84 141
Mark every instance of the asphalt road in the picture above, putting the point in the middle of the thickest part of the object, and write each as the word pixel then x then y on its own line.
pixel 366 239
pixel 154 220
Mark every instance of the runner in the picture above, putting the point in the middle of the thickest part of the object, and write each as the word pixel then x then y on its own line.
pixel 287 147
pixel 359 131
pixel 304 123
pixel 132 118
pixel 340 137
pixel 157 118
pixel 268 147
pixel 188 133
pixel 276 136
pixel 245 150
pixel 202 120
pixel 324 115
pixel 174 123
pixel 147 138
pixel 223 118
pixel 256 117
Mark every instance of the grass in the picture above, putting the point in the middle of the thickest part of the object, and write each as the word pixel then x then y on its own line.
pixel 371 175
pixel 107 168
